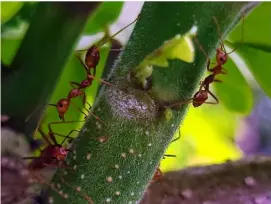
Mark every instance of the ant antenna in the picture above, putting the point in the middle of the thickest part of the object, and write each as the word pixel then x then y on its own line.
pixel 105 40
pixel 242 33
pixel 219 33
pixel 200 46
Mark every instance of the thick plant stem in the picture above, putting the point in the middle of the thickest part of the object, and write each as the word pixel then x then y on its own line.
pixel 40 59
pixel 117 170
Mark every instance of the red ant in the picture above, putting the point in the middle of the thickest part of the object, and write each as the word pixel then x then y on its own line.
pixel 221 53
pixel 158 173
pixel 92 56
pixel 201 96
pixel 53 154
pixel 91 61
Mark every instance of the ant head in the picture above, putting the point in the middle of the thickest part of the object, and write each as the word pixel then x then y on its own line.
pixel 221 56
pixel 92 57
pixel 62 107
pixel 60 153
pixel 199 98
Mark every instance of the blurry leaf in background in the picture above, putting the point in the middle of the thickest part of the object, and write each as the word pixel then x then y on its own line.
pixel 9 9
pixel 234 92
pixel 259 63
pixel 106 14
pixel 257 26
pixel 14 29
pixel 9 48
pixel 17 26
pixel 257 44
pixel 206 137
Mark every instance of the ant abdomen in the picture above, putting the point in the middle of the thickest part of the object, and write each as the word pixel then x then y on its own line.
pixel 199 98
pixel 62 107
pixel 74 93
pixel 92 57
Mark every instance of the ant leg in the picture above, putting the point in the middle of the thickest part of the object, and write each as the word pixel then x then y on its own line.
pixel 218 80
pixel 96 117
pixel 176 105
pixel 103 81
pixel 44 136
pixel 213 97
pixel 61 135
pixel 26 158
pixel 169 155
pixel 68 136
pixel 42 181
pixel 74 84
pixel 79 109
pixel 81 61
pixel 85 102
pixel 177 137
pixel 224 71
pixel 207 57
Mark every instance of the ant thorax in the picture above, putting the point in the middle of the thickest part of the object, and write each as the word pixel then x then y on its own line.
pixel 87 82
pixel 74 93
pixel 221 56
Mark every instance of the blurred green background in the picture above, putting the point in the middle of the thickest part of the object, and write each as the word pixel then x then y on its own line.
pixel 209 134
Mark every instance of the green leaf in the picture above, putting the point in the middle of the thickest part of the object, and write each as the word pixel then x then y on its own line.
pixel 17 26
pixel 40 60
pixel 9 48
pixel 259 64
pixel 257 27
pixel 259 46
pixel 234 92
pixel 106 14
pixel 9 9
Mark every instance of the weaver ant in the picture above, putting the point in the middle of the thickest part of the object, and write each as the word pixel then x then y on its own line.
pixel 158 173
pixel 92 56
pixel 53 154
pixel 221 53
pixel 91 61
pixel 201 95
